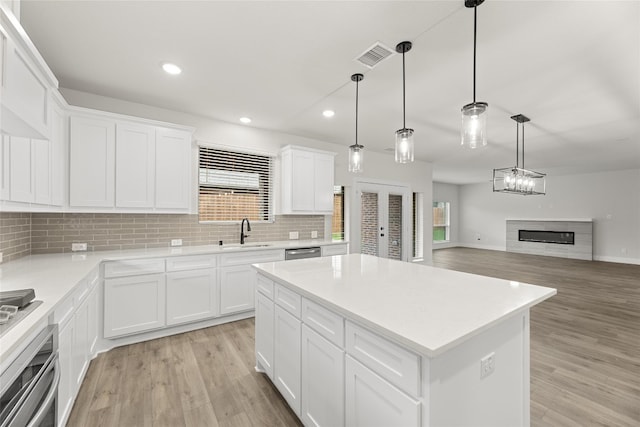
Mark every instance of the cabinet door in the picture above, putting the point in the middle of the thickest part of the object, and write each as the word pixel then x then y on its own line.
pixel 92 322
pixel 173 163
pixel 135 165
pixel 371 401
pixel 134 304
pixel 58 156
pixel 80 356
pixel 92 162
pixel 287 357
pixel 302 185
pixel 322 381
pixel 5 190
pixel 237 289
pixel 191 295
pixel 323 183
pixel 41 170
pixel 264 333
pixel 21 170
pixel 66 391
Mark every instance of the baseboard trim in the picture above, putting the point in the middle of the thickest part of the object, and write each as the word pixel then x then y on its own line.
pixel 618 260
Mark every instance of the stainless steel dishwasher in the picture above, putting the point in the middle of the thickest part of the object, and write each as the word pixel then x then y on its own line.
pixel 301 253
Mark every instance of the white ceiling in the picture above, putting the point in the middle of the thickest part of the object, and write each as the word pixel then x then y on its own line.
pixel 573 67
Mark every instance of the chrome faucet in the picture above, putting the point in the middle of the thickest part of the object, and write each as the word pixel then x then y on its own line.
pixel 242 235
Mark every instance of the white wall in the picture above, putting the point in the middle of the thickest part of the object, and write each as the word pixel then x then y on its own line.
pixel 449 193
pixel 377 165
pixel 611 199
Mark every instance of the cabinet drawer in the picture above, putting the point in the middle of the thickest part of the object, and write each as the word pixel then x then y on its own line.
pixel 193 262
pixel 334 250
pixel 325 322
pixel 392 362
pixel 133 267
pixel 288 300
pixel 265 286
pixel 252 257
pixel 63 312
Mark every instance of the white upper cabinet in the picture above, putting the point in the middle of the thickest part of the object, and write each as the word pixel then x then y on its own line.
pixel 26 82
pixel 92 162
pixel 135 165
pixel 127 165
pixel 173 169
pixel 59 149
pixel 5 171
pixel 307 181
pixel 21 179
pixel 41 171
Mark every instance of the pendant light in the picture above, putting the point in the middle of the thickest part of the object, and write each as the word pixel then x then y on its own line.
pixel 355 151
pixel 404 136
pixel 474 115
pixel 518 180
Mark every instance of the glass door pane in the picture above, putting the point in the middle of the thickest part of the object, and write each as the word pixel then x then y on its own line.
pixel 395 226
pixel 369 223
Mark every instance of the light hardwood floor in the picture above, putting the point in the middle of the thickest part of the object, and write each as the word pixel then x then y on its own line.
pixel 585 357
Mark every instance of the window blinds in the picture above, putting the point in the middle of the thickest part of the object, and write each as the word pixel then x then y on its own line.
pixel 234 185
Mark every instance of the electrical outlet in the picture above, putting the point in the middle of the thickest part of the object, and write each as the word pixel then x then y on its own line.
pixel 77 247
pixel 176 242
pixel 314 234
pixel 623 251
pixel 478 237
pixel 487 365
pixel 293 235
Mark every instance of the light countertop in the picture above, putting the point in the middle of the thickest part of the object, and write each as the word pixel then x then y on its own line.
pixel 427 309
pixel 55 276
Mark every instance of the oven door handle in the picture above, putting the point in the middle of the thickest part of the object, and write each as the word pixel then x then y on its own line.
pixel 51 395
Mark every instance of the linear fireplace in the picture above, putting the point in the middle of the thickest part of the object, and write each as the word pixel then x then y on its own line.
pixel 543 236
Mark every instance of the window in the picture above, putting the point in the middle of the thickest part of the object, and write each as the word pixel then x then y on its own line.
pixel 417 220
pixel 440 222
pixel 337 227
pixel 234 185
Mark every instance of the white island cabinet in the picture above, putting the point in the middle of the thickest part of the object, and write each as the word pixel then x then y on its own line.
pixel 358 340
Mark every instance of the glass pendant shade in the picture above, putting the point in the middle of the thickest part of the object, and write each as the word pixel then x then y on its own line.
pixel 474 125
pixel 404 145
pixel 356 158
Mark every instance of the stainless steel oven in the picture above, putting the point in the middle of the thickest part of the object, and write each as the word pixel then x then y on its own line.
pixel 29 386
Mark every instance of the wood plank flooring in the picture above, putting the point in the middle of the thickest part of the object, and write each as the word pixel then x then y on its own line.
pixel 585 357
pixel 585 341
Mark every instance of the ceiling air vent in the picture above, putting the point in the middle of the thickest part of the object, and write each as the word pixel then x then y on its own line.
pixel 375 55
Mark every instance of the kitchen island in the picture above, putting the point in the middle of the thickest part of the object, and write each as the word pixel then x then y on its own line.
pixel 360 340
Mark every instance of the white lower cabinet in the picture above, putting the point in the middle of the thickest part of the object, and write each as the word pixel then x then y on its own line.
pixel 191 296
pixel 287 357
pixel 134 304
pixel 237 289
pixel 371 401
pixel 264 333
pixel 80 357
pixel 322 381
pixel 66 391
pixel 93 303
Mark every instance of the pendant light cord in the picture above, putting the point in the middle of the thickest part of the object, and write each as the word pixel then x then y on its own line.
pixel 357 82
pixel 522 145
pixel 475 20
pixel 517 144
pixel 404 124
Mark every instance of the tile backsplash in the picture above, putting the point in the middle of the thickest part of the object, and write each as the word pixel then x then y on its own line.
pixel 15 235
pixel 55 232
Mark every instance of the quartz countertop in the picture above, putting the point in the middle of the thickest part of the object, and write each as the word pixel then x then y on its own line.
pixel 55 276
pixel 427 309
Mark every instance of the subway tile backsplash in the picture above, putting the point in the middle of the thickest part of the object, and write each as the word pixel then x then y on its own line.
pixel 15 235
pixel 55 232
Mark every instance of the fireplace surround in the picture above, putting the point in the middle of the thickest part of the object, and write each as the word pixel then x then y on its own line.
pixel 565 238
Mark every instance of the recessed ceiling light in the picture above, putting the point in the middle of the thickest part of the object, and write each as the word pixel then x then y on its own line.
pixel 172 69
pixel 245 120
pixel 328 113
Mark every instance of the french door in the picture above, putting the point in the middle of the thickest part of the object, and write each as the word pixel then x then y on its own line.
pixel 383 212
